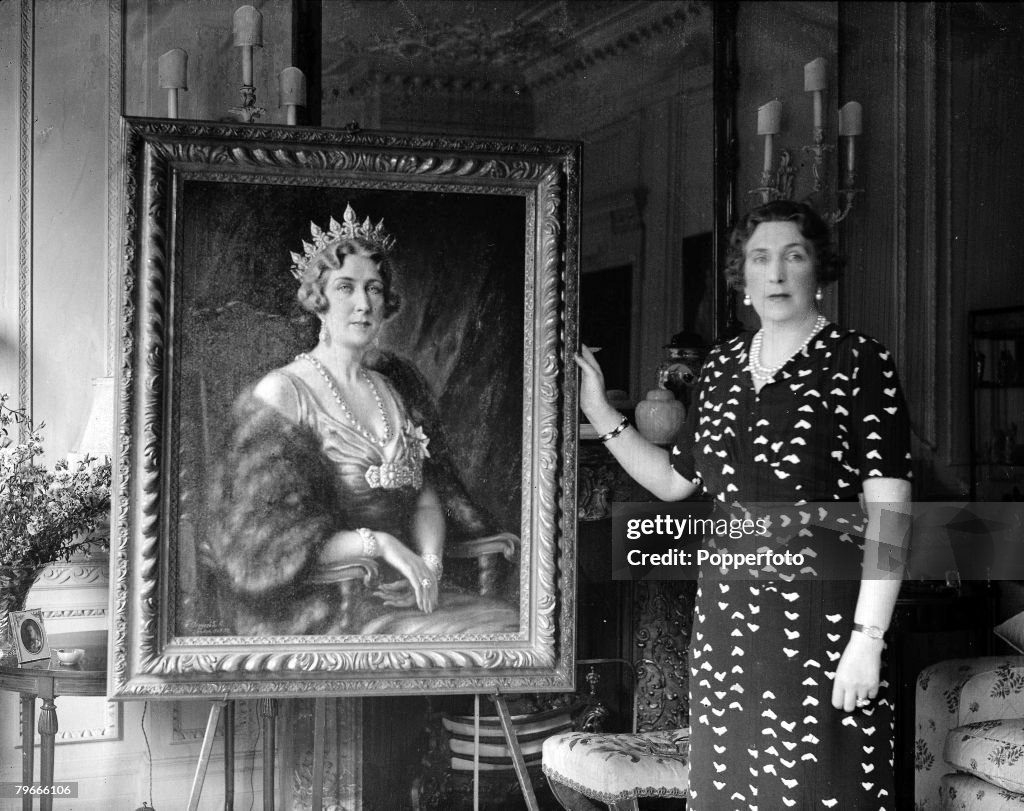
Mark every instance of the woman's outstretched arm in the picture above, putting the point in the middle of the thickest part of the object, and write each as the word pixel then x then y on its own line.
pixel 648 464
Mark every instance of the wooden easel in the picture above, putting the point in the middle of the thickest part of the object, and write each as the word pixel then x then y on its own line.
pixel 268 712
pixel 267 708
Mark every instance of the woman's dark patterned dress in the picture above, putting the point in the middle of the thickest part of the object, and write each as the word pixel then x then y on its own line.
pixel 764 649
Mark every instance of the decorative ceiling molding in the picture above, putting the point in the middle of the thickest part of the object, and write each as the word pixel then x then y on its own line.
pixel 646 23
pixel 531 46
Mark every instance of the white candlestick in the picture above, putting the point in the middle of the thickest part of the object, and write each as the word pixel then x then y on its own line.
pixel 851 119
pixel 815 82
pixel 815 75
pixel 769 149
pixel 850 152
pixel 247 27
pixel 172 69
pixel 769 118
pixel 292 86
pixel 172 74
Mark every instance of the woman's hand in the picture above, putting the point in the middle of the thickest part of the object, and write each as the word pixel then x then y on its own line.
pixel 859 672
pixel 593 399
pixel 420 586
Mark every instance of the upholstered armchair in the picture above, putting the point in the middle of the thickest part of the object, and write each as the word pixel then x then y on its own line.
pixel 969 747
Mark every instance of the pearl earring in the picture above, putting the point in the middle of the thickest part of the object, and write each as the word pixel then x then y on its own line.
pixel 818 296
pixel 746 299
pixel 325 335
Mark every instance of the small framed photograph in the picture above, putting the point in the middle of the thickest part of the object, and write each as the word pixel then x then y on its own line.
pixel 30 634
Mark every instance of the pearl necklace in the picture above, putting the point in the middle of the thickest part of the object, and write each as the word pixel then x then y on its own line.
pixel 766 373
pixel 333 386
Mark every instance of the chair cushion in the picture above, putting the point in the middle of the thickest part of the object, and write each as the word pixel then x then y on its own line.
pixel 991 750
pixel 620 767
pixel 965 792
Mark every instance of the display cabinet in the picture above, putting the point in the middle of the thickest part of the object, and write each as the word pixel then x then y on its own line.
pixel 996 356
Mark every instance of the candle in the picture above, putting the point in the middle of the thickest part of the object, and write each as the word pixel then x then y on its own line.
pixel 769 118
pixel 814 75
pixel 292 85
pixel 247 26
pixel 769 122
pixel 851 124
pixel 172 69
pixel 851 119
pixel 172 74
pixel 815 83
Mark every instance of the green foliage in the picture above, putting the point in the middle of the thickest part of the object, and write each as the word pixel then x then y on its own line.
pixel 45 515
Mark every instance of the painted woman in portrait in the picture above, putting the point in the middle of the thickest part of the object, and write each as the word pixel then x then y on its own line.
pixel 337 457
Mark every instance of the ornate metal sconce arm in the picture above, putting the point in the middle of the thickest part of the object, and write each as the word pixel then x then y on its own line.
pixel 248 111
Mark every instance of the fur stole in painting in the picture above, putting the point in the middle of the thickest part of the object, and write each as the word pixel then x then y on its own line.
pixel 275 503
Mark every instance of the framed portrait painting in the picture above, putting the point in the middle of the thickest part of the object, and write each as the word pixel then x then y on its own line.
pixel 30 635
pixel 347 407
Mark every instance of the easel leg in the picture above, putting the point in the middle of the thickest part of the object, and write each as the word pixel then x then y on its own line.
pixel 517 753
pixel 268 712
pixel 319 751
pixel 204 754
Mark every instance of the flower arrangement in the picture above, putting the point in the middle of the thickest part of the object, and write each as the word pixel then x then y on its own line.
pixel 45 515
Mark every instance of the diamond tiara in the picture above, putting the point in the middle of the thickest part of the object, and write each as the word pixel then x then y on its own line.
pixel 349 228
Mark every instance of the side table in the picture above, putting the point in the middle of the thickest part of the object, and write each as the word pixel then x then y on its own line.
pixel 47 680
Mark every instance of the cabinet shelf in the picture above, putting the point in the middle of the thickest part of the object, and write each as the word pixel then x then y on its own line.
pixel 996 410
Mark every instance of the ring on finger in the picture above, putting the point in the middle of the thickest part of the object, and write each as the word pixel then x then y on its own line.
pixel 425 582
pixel 863 702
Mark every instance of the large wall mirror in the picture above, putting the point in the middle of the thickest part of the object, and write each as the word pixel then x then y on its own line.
pixel 634 81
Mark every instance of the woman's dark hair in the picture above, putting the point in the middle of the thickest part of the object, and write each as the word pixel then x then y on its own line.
pixel 311 288
pixel 828 265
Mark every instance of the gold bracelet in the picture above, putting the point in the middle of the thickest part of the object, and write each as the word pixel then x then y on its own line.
pixel 618 429
pixel 872 631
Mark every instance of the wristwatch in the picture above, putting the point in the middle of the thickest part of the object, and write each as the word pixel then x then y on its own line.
pixel 872 631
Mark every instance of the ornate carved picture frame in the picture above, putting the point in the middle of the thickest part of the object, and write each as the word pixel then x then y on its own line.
pixel 481 351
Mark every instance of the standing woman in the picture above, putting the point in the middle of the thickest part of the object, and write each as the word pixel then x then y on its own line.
pixel 789 704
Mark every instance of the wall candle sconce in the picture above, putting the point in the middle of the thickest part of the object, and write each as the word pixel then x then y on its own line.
pixel 778 185
pixel 247 27
pixel 172 73
pixel 292 85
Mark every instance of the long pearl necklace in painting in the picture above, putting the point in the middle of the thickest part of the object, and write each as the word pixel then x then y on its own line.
pixel 766 373
pixel 329 380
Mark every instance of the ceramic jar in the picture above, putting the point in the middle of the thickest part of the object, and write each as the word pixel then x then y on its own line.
pixel 659 416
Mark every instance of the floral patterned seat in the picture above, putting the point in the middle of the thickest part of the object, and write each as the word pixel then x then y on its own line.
pixel 969 750
pixel 618 769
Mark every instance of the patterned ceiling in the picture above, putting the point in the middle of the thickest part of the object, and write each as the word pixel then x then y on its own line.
pixel 489 39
